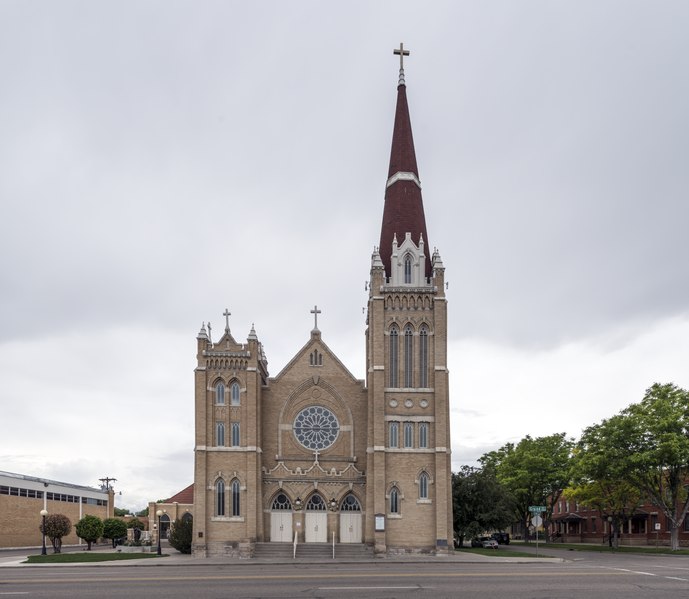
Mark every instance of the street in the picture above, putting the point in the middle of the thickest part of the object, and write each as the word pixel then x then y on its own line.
pixel 583 575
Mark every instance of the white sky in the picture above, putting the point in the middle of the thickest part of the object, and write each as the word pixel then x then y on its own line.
pixel 161 161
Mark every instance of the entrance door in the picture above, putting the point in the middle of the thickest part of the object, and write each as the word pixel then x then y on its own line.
pixel 280 527
pixel 316 524
pixel 281 519
pixel 350 527
pixel 316 527
pixel 350 520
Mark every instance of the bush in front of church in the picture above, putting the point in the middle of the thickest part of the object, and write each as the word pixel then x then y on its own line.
pixel 180 535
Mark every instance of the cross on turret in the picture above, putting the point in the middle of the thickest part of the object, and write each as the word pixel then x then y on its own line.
pixel 401 52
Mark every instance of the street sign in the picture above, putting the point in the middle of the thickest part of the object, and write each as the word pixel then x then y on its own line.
pixel 536 509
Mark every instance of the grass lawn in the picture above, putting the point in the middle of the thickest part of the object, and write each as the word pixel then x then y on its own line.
pixel 498 552
pixel 85 557
pixel 600 548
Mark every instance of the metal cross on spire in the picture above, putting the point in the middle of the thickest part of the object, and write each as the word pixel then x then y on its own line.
pixel 227 315
pixel 315 313
pixel 401 52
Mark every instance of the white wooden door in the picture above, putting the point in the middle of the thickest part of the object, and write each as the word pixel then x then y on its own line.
pixel 316 527
pixel 281 527
pixel 350 527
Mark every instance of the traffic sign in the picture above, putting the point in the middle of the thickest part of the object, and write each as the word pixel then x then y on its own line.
pixel 536 509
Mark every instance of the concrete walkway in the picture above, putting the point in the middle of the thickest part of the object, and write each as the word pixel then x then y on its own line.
pixel 15 558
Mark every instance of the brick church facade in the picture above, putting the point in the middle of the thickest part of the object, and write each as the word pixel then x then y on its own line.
pixel 314 454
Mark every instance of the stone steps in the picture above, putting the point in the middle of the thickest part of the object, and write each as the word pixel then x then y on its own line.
pixel 313 551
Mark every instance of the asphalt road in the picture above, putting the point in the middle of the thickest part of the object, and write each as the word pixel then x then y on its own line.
pixel 607 577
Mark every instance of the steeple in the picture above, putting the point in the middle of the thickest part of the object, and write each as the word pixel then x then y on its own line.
pixel 403 212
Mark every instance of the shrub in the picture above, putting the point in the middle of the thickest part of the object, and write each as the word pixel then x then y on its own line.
pixel 180 535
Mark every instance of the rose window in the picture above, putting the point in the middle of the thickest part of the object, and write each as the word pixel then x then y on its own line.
pixel 316 427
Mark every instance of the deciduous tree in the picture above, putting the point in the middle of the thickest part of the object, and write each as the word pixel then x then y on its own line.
pixel 56 527
pixel 114 529
pixel 90 529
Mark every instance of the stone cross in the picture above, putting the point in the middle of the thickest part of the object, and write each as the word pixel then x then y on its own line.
pixel 315 313
pixel 227 315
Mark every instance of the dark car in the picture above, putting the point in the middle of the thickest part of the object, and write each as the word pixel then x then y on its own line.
pixel 503 538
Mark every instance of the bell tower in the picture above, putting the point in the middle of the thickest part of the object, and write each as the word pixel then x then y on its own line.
pixel 409 489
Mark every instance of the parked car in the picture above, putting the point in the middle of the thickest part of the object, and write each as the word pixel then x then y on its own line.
pixel 503 538
pixel 485 542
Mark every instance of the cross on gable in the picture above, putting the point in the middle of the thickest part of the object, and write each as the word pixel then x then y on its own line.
pixel 227 315
pixel 315 313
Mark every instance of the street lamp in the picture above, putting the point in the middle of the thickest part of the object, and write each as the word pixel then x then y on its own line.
pixel 610 531
pixel 44 513
pixel 159 513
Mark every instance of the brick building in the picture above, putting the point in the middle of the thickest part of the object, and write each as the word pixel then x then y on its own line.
pixel 647 525
pixel 314 453
pixel 23 497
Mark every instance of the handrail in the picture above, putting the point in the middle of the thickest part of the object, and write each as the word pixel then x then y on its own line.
pixel 333 544
pixel 294 549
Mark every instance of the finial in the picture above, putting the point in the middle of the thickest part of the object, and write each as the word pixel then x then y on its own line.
pixel 227 315
pixel 202 333
pixel 402 53
pixel 252 333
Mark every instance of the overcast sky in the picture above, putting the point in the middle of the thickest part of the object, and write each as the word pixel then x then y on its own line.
pixel 162 161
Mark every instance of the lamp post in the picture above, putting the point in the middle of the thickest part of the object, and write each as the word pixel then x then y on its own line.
pixel 610 532
pixel 159 513
pixel 44 513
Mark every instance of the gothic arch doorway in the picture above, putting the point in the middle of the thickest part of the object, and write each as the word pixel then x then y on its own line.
pixel 316 520
pixel 350 520
pixel 281 519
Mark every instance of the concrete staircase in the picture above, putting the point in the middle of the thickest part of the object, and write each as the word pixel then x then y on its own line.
pixel 313 551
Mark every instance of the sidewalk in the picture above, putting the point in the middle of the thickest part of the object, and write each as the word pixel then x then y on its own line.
pixel 176 559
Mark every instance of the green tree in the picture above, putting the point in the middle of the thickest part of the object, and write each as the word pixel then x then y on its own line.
pixel 180 535
pixel 89 528
pixel 535 472
pixel 480 503
pixel 143 513
pixel 658 451
pixel 600 473
pixel 114 529
pixel 121 512
pixel 136 523
pixel 56 527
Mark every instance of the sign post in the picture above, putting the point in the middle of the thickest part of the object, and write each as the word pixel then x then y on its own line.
pixel 536 510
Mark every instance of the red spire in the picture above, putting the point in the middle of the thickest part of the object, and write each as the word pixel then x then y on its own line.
pixel 403 212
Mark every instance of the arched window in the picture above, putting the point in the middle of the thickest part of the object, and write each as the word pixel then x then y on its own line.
pixel 187 517
pixel 235 497
pixel 408 356
pixel 220 497
pixel 423 435
pixel 407 269
pixel 164 526
pixel 394 440
pixel 408 434
pixel 281 502
pixel 394 356
pixel 394 501
pixel 235 434
pixel 220 393
pixel 423 356
pixel 315 503
pixel 350 504
pixel 219 434
pixel 423 486
pixel 234 393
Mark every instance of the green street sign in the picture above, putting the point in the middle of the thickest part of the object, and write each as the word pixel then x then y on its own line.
pixel 536 509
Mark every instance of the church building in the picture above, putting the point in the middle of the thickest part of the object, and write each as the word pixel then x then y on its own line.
pixel 314 455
